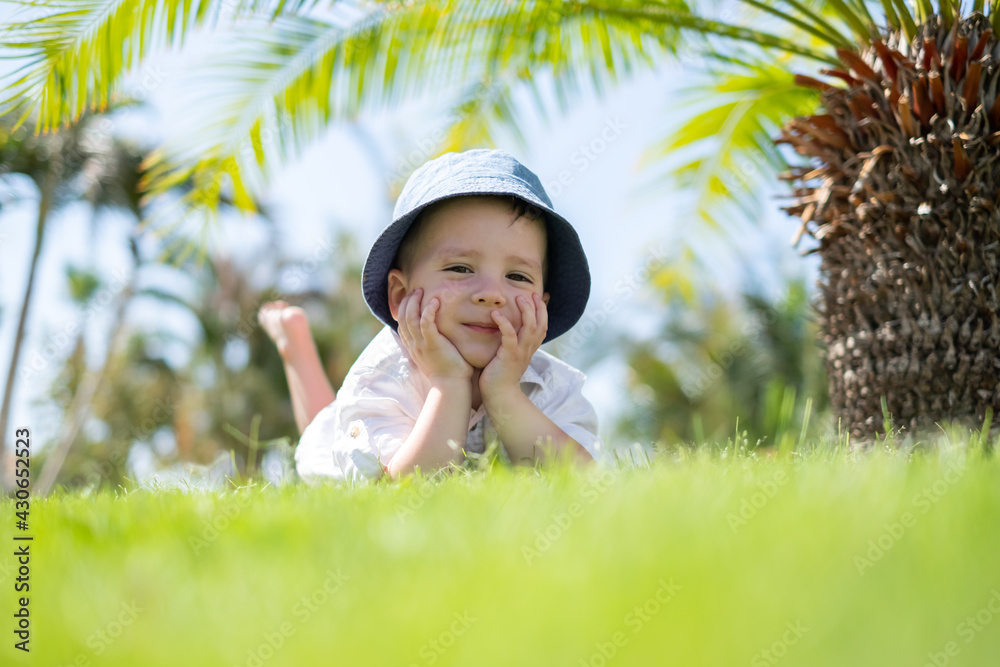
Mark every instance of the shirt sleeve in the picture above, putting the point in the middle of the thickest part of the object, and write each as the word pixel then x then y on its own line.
pixel 570 410
pixel 368 424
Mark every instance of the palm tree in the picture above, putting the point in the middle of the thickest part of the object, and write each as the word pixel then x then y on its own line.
pixel 896 194
pixel 901 198
pixel 53 163
pixel 898 197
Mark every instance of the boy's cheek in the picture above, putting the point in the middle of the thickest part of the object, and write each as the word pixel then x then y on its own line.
pixel 447 293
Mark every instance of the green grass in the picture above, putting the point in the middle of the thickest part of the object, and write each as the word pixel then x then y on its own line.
pixel 875 558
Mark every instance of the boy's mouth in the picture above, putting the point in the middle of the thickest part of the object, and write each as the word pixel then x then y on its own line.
pixel 483 328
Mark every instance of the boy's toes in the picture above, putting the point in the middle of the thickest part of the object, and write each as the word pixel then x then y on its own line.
pixel 274 305
pixel 293 316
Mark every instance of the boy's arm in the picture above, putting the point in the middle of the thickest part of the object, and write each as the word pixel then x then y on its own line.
pixel 445 416
pixel 524 430
pixel 307 382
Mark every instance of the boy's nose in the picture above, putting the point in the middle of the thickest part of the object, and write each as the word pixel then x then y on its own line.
pixel 490 293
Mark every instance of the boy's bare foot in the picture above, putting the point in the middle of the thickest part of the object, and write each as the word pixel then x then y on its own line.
pixel 282 323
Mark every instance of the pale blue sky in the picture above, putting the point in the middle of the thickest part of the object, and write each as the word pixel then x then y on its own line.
pixel 340 182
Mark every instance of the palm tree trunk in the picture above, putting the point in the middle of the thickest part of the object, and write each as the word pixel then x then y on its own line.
pixel 87 389
pixel 47 192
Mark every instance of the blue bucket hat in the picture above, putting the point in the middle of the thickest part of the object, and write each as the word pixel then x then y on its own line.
pixel 482 171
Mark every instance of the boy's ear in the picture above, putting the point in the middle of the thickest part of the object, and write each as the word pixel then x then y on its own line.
pixel 545 298
pixel 397 290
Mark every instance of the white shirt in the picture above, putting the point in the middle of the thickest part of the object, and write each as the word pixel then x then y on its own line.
pixel 384 392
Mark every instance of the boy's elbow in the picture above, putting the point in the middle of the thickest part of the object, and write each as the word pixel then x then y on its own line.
pixel 394 470
pixel 579 453
pixel 397 468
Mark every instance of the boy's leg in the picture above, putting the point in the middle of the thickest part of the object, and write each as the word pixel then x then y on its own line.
pixel 307 383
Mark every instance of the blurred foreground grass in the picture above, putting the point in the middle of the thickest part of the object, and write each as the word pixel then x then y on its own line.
pixel 710 557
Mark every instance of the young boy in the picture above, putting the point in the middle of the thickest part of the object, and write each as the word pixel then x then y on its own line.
pixel 475 272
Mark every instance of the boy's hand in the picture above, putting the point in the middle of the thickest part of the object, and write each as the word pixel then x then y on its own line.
pixel 434 354
pixel 503 374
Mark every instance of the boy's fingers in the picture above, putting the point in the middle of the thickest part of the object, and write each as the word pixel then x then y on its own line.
pixel 543 313
pixel 506 329
pixel 413 313
pixel 427 319
pixel 528 312
pixel 405 318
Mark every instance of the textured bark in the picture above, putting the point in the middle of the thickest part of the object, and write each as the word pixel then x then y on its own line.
pixel 902 196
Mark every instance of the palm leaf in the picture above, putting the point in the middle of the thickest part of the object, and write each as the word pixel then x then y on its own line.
pixel 290 78
pixel 724 152
pixel 706 26
pixel 487 104
pixel 71 47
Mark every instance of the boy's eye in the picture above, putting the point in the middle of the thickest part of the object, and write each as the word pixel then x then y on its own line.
pixel 519 276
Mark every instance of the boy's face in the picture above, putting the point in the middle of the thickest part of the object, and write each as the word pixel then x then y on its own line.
pixel 474 260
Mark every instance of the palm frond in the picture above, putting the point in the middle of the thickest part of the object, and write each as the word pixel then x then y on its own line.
pixel 288 79
pixel 834 39
pixel 817 19
pixel 859 22
pixel 947 13
pixel 724 152
pixel 739 33
pixel 890 15
pixel 924 10
pixel 906 19
pixel 66 51
pixel 74 53
pixel 488 103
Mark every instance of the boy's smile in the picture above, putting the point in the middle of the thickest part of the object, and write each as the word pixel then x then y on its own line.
pixel 475 259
